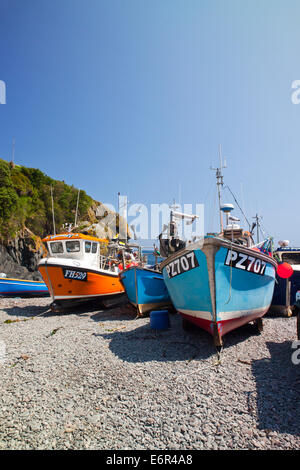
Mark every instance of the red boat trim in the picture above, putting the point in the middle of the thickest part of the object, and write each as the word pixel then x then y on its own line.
pixel 224 326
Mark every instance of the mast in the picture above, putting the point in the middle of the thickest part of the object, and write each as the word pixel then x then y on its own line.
pixel 122 209
pixel 75 223
pixel 51 189
pixel 219 176
pixel 172 228
pixel 257 223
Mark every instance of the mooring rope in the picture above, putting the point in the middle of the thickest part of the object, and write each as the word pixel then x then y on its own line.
pixel 230 282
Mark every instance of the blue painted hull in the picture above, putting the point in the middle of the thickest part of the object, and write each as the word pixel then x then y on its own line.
pixel 22 288
pixel 211 292
pixel 145 288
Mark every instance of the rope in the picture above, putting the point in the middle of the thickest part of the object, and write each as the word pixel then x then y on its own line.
pixel 219 351
pixel 239 206
pixel 212 217
pixel 230 284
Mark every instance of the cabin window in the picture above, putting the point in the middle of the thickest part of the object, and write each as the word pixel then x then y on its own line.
pixel 73 246
pixel 56 247
pixel 94 247
pixel 88 247
pixel 291 258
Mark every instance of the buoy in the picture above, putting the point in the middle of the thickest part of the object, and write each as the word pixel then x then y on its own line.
pixel 284 270
pixel 131 265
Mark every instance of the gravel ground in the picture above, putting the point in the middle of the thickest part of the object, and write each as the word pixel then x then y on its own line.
pixel 101 379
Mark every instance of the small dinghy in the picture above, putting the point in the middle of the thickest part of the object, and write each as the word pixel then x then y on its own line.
pixel 10 287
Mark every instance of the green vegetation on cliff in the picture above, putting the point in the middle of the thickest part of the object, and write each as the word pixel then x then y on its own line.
pixel 25 201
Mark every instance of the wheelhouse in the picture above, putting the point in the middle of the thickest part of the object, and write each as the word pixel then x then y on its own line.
pixel 91 250
pixel 289 255
pixel 75 248
pixel 87 250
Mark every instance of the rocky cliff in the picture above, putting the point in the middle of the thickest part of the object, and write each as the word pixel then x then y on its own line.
pixel 19 257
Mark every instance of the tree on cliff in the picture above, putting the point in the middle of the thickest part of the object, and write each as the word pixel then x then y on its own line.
pixel 8 196
pixel 25 200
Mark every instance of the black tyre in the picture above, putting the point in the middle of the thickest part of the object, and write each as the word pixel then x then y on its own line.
pixel 56 307
pixel 187 325
pixel 258 325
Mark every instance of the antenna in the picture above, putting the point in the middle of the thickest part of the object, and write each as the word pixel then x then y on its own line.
pixel 173 207
pixel 75 223
pixel 51 189
pixel 122 211
pixel 257 224
pixel 242 197
pixel 219 176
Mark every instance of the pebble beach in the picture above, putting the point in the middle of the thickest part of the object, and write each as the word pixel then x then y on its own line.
pixel 103 379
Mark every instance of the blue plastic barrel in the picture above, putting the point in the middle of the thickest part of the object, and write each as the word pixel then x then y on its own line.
pixel 159 319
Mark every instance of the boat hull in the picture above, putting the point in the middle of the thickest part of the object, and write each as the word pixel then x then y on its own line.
pixel 145 289
pixel 10 287
pixel 285 290
pixel 85 284
pixel 218 287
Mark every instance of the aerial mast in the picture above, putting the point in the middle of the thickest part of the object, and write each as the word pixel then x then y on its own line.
pixel 51 189
pixel 257 224
pixel 219 176
pixel 76 213
pixel 122 211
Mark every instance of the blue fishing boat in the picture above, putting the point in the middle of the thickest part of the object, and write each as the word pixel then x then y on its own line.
pixel 219 284
pixel 285 291
pixel 221 281
pixel 10 287
pixel 144 285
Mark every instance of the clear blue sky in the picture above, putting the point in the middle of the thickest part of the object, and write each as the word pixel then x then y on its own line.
pixel 135 96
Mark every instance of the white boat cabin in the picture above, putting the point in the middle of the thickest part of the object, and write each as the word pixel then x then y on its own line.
pixel 89 251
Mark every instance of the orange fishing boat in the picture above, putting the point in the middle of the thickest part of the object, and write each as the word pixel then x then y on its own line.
pixel 80 268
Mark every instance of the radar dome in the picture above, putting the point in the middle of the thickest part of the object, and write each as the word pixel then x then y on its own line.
pixel 283 243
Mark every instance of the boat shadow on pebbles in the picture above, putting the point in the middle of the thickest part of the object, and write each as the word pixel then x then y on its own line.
pixel 119 312
pixel 27 311
pixel 96 310
pixel 240 335
pixel 278 389
pixel 144 344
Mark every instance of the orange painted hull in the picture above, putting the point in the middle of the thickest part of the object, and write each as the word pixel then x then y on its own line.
pixel 96 285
